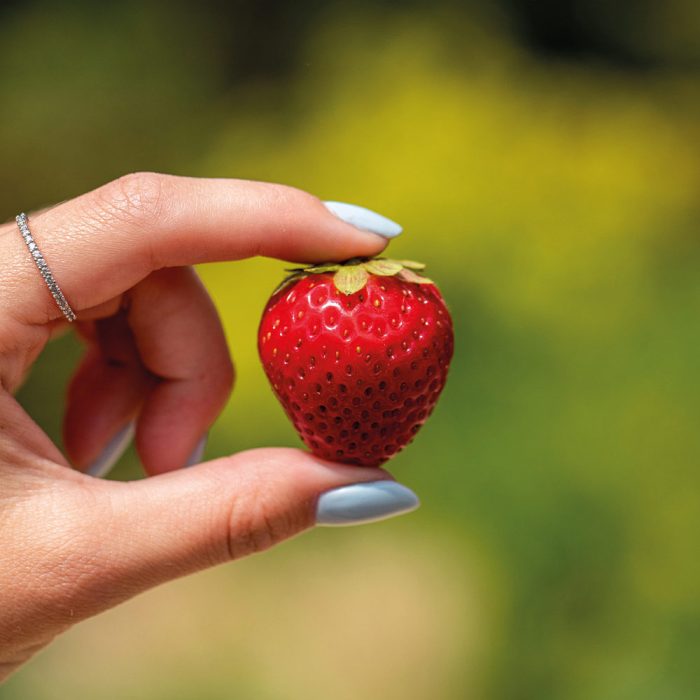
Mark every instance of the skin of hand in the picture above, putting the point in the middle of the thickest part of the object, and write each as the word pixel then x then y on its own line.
pixel 75 545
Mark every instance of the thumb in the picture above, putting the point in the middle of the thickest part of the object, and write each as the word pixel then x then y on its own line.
pixel 176 523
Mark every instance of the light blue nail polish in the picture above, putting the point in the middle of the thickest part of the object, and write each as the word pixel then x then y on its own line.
pixel 197 453
pixel 114 449
pixel 364 219
pixel 364 503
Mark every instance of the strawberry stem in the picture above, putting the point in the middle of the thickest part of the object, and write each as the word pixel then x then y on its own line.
pixel 351 276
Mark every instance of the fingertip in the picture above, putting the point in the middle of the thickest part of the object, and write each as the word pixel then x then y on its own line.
pixel 325 237
pixel 303 467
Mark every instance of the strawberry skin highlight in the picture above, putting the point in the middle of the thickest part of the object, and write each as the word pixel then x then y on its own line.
pixel 357 372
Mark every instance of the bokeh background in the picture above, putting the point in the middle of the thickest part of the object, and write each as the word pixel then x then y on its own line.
pixel 544 159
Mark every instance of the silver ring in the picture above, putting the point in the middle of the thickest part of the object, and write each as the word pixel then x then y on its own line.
pixel 51 283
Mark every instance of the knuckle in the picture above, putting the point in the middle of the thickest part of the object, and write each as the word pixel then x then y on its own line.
pixel 257 521
pixel 215 382
pixel 250 539
pixel 249 531
pixel 228 376
pixel 138 197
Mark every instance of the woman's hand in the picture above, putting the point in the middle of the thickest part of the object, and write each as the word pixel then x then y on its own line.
pixel 74 545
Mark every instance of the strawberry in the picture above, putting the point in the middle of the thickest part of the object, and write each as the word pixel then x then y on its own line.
pixel 357 353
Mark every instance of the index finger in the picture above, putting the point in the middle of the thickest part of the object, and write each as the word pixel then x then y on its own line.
pixel 102 243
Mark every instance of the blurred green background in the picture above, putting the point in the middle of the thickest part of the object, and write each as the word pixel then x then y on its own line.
pixel 544 159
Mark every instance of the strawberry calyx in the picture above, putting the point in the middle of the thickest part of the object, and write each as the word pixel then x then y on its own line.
pixel 350 276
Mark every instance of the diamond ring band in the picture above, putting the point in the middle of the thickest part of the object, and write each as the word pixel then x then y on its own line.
pixel 56 293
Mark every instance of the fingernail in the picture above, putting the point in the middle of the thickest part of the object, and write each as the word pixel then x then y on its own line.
pixel 112 452
pixel 197 453
pixel 364 219
pixel 364 503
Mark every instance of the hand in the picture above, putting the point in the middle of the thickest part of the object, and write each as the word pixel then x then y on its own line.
pixel 74 545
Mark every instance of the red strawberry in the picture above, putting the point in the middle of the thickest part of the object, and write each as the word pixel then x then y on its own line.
pixel 357 353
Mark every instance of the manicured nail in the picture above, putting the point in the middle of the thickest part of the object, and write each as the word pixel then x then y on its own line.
pixel 197 453
pixel 114 449
pixel 364 219
pixel 364 503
